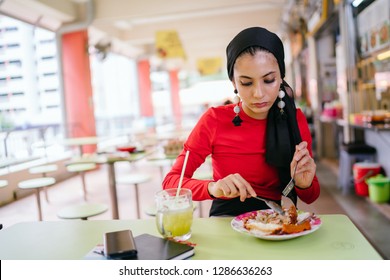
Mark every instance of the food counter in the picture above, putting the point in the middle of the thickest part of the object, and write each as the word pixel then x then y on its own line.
pixel 377 136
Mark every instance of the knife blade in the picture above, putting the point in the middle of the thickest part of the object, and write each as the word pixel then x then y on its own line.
pixel 272 204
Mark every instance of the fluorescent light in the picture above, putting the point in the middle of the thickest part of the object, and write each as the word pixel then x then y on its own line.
pixel 356 3
pixel 383 55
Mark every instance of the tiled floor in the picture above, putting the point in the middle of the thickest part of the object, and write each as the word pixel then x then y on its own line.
pixel 371 219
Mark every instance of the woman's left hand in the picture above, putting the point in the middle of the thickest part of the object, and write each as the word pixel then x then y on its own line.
pixel 306 168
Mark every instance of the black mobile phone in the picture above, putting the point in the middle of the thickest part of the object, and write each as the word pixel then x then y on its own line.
pixel 119 245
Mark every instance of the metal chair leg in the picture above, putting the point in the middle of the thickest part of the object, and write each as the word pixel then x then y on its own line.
pixel 82 174
pixel 137 200
pixel 38 195
pixel 45 189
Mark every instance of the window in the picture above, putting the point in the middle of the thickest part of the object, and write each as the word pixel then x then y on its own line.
pixel 47 41
pixel 15 45
pixel 11 29
pixel 50 90
pixel 47 57
pixel 15 62
pixel 52 106
pixel 49 74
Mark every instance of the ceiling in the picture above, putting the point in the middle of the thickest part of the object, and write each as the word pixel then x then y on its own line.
pixel 128 27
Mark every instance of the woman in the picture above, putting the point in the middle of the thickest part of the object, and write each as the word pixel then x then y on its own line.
pixel 256 143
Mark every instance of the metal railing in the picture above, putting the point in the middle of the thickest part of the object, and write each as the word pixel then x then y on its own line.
pixel 28 143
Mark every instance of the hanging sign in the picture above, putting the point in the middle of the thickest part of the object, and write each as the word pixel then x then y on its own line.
pixel 168 44
pixel 318 13
pixel 209 66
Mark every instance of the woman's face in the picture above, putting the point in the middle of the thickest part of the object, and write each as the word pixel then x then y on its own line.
pixel 257 80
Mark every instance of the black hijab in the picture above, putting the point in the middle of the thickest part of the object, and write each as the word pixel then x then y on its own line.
pixel 282 129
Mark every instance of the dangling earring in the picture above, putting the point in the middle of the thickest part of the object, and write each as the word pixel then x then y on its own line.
pixel 237 120
pixel 281 103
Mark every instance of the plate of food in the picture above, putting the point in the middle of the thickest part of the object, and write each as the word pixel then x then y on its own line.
pixel 129 149
pixel 269 225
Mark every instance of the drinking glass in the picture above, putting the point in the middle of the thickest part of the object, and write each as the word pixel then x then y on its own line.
pixel 174 213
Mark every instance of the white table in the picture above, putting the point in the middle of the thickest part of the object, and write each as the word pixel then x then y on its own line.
pixel 80 142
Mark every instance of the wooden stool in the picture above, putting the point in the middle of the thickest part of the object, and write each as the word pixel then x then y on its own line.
pixel 44 170
pixel 135 179
pixel 81 168
pixel 37 184
pixel 82 211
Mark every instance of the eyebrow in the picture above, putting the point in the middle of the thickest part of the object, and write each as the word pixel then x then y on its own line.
pixel 265 75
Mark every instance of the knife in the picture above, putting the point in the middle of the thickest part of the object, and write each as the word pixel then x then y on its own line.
pixel 272 204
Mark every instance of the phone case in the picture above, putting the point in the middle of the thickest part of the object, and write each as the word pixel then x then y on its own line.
pixel 119 245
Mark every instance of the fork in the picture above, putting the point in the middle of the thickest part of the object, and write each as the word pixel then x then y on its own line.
pixel 272 204
pixel 290 184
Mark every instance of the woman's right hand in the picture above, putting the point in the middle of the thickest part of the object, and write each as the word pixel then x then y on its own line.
pixel 231 186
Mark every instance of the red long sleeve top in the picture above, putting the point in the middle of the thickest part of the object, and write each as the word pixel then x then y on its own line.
pixel 234 149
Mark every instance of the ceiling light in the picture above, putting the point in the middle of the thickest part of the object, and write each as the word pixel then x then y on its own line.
pixel 123 24
pixel 384 55
pixel 356 3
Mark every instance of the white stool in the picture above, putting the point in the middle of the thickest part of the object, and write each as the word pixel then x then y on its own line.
pixel 3 184
pixel 135 179
pixel 37 184
pixel 44 170
pixel 81 168
pixel 203 175
pixel 82 211
pixel 161 164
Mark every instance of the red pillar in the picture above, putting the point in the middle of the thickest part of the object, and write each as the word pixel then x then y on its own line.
pixel 80 118
pixel 145 91
pixel 175 89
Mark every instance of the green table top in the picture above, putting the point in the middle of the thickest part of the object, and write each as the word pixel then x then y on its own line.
pixel 336 239
pixel 81 211
pixel 108 158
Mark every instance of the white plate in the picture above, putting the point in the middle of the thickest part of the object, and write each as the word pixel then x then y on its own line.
pixel 238 224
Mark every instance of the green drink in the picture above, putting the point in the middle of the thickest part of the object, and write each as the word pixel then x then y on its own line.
pixel 174 214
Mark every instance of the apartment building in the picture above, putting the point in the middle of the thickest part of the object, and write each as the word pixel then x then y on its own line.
pixel 29 87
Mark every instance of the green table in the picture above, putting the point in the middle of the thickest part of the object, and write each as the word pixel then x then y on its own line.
pixel 337 239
